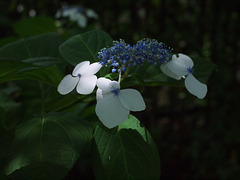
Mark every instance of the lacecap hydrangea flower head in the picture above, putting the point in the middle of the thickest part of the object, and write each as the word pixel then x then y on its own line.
pixel 114 104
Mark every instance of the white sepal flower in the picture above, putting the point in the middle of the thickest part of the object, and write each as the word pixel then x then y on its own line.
pixel 182 67
pixel 82 78
pixel 114 105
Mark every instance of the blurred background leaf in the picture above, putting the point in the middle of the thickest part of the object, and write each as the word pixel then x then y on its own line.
pixel 35 26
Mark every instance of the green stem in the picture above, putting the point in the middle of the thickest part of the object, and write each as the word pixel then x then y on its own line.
pixel 125 74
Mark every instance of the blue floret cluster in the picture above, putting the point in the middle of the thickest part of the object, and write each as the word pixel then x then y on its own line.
pixel 122 55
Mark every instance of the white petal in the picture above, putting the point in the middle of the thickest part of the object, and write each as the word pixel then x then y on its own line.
pixel 131 99
pixel 110 111
pixel 107 85
pixel 80 68
pixel 92 69
pixel 67 84
pixel 169 73
pixel 177 67
pixel 195 87
pixel 86 84
pixel 91 14
pixel 186 59
pixel 81 20
pixel 101 94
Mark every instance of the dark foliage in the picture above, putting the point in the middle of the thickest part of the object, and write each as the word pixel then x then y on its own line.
pixel 197 139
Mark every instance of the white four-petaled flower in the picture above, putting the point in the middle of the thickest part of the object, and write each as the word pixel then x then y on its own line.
pixel 82 77
pixel 182 66
pixel 114 105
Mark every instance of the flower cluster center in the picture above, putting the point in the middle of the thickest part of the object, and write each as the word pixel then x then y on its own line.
pixel 122 55
pixel 115 91
pixel 190 70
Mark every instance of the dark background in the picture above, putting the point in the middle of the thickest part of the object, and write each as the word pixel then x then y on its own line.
pixel 197 139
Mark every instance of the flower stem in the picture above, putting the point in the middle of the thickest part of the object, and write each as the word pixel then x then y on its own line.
pixel 125 74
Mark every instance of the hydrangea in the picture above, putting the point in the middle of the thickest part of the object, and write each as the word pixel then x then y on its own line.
pixel 122 55
pixel 77 14
pixel 114 105
pixel 182 67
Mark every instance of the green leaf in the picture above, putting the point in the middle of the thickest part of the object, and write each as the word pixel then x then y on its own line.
pixel 6 40
pixel 85 47
pixel 10 71
pixel 62 102
pixel 31 58
pixel 6 139
pixel 129 153
pixel 55 140
pixel 35 26
pixel 203 69
pixel 38 171
pixel 43 61
pixel 45 45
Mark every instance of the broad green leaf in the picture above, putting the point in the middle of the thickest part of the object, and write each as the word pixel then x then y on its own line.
pixel 31 58
pixel 203 69
pixel 38 171
pixel 6 139
pixel 129 153
pixel 85 47
pixel 35 26
pixel 10 71
pixel 6 40
pixel 63 102
pixel 43 61
pixel 134 123
pixel 45 45
pixel 52 141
